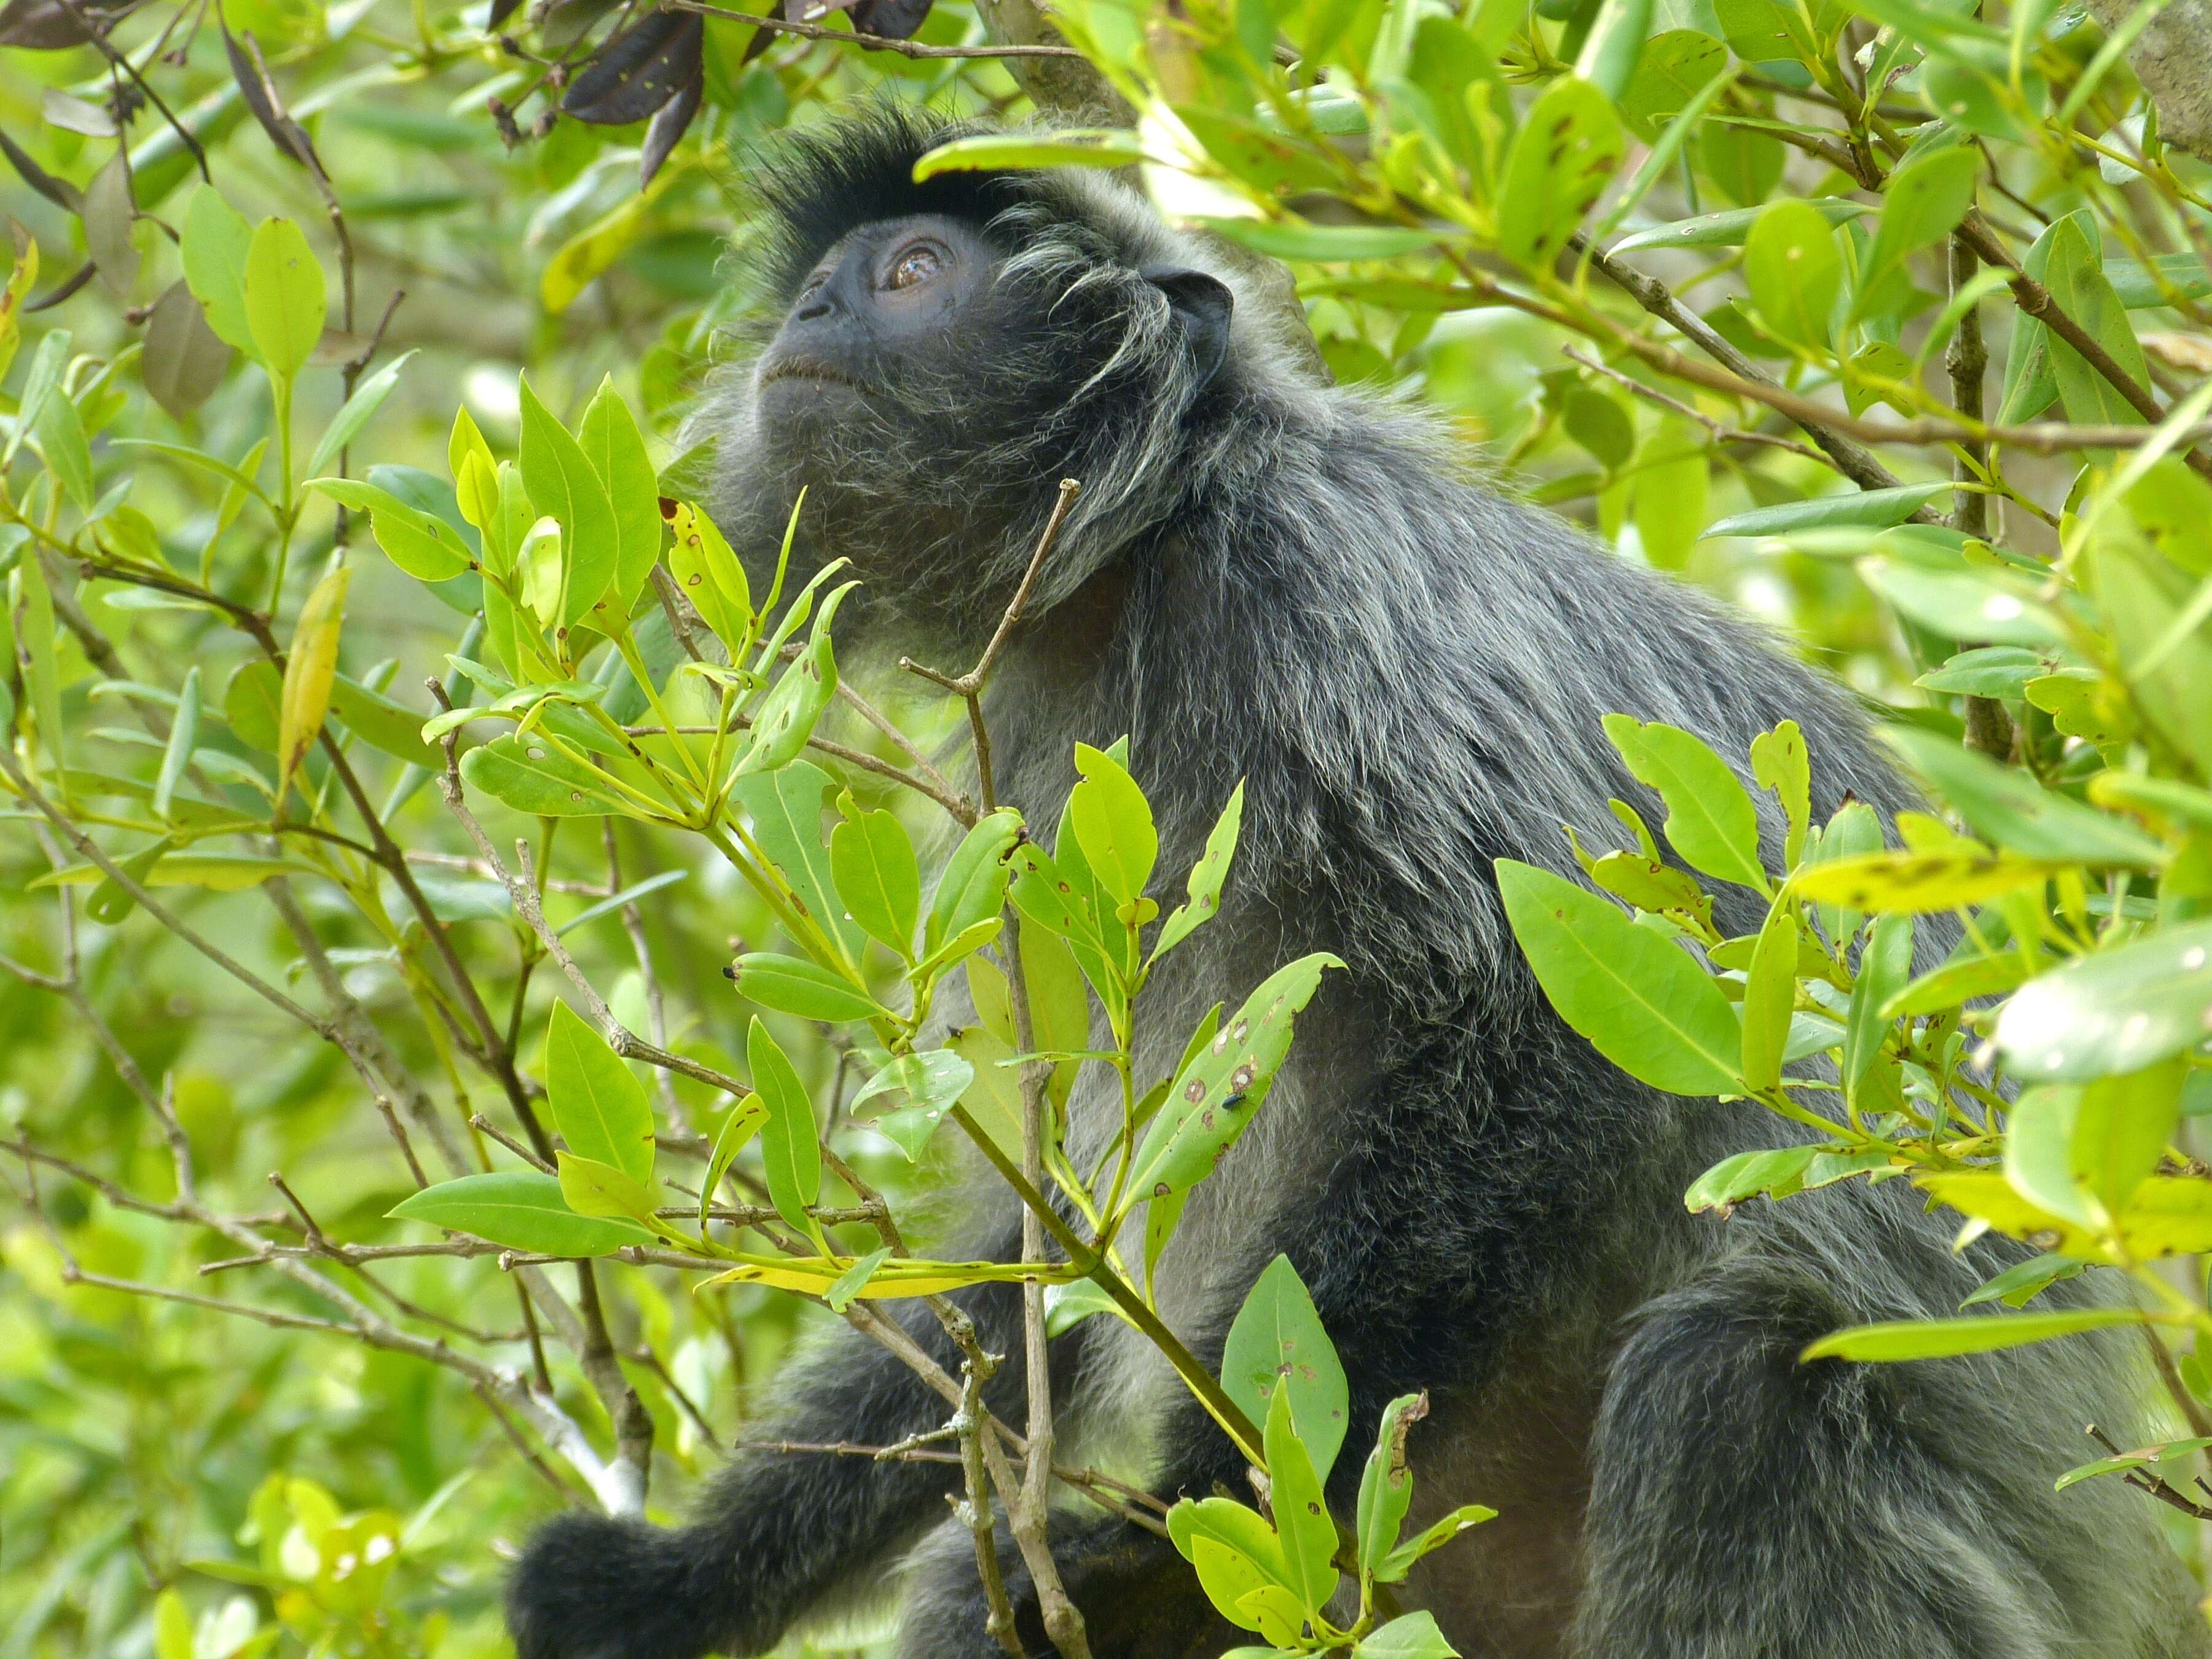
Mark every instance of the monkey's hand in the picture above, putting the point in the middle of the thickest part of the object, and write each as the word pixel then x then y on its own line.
pixel 590 1587
pixel 1137 1599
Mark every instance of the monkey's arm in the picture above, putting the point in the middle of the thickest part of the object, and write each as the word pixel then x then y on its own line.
pixel 776 1531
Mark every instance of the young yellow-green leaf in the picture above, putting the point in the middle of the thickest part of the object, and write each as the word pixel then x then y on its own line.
pixel 1069 146
pixel 599 1106
pixel 973 887
pixel 1770 996
pixel 790 1148
pixel 1942 1339
pixel 792 985
pixel 184 732
pixel 522 1210
pixel 216 241
pixel 308 667
pixel 33 629
pixel 1918 883
pixel 284 297
pixel 1324 243
pixel 463 441
pixel 785 810
pixel 421 543
pixel 873 861
pixel 563 484
pixel 1566 151
pixel 592 1189
pixel 611 441
pixel 1236 1532
pixel 1409 1636
pixel 1216 1095
pixel 532 776
pixel 1277 1337
pixel 1639 998
pixel 1779 763
pixel 743 1123
pixel 1711 821
pixel 1794 272
pixel 1882 968
pixel 1400 1560
pixel 1302 1518
pixel 1113 822
pixel 702 560
pixel 172 1626
pixel 1207 876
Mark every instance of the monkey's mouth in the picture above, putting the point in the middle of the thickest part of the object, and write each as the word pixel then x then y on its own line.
pixel 799 367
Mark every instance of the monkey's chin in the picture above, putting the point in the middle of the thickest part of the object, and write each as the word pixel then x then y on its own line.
pixel 803 403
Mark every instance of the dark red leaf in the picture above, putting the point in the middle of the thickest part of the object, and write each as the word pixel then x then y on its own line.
pixel 253 84
pixel 637 72
pixel 62 193
pixel 670 124
pixel 894 20
pixel 49 26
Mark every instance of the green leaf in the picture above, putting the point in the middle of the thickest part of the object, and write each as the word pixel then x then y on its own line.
pixel 1794 270
pixel 707 571
pixel 1876 509
pixel 785 810
pixel 2003 805
pixel 1614 45
pixel 972 888
pixel 59 427
pixel 2140 1458
pixel 1779 763
pixel 1941 1339
pixel 1964 605
pixel 615 448
pixel 790 1148
pixel 931 1082
pixel 1987 671
pixel 1770 996
pixel 1409 1636
pixel 792 985
pixel 1638 998
pixel 786 716
pixel 367 397
pixel 1277 1337
pixel 1732 228
pixel 850 1283
pixel 1775 1173
pixel 1067 1306
pixel 421 543
pixel 1207 876
pixel 1922 202
pixel 2077 283
pixel 1325 244
pixel 1882 968
pixel 1386 1485
pixel 744 1122
pixel 184 732
pixel 562 482
pixel 1113 822
pixel 522 1210
pixel 1217 1095
pixel 599 1106
pixel 1234 1549
pixel 1068 147
pixel 283 296
pixel 530 774
pixel 2118 1010
pixel 1566 151
pixel 873 861
pixel 215 242
pixel 1440 1532
pixel 1711 821
pixel 1918 883
pixel 1303 1522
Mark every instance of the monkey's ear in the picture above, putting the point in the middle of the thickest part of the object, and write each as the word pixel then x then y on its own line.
pixel 1202 305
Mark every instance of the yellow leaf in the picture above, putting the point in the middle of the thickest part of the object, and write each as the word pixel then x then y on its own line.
pixel 308 669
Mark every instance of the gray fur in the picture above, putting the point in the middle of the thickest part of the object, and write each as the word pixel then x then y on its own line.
pixel 1302 587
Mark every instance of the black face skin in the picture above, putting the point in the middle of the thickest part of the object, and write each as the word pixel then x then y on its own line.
pixel 891 298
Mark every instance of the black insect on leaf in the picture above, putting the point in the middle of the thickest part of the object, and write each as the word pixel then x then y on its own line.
pixel 62 193
pixel 893 19
pixel 639 71
pixel 669 125
pixel 50 26
pixel 261 95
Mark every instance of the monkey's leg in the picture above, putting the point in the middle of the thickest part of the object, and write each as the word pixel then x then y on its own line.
pixel 1745 1505
pixel 777 1532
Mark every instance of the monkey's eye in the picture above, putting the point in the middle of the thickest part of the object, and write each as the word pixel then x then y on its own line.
pixel 916 265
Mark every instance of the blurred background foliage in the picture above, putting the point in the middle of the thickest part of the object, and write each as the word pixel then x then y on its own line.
pixel 181 1484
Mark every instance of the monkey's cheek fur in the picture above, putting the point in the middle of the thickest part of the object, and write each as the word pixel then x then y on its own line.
pixel 796 406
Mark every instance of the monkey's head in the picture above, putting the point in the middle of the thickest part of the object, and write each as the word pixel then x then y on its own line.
pixel 943 353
